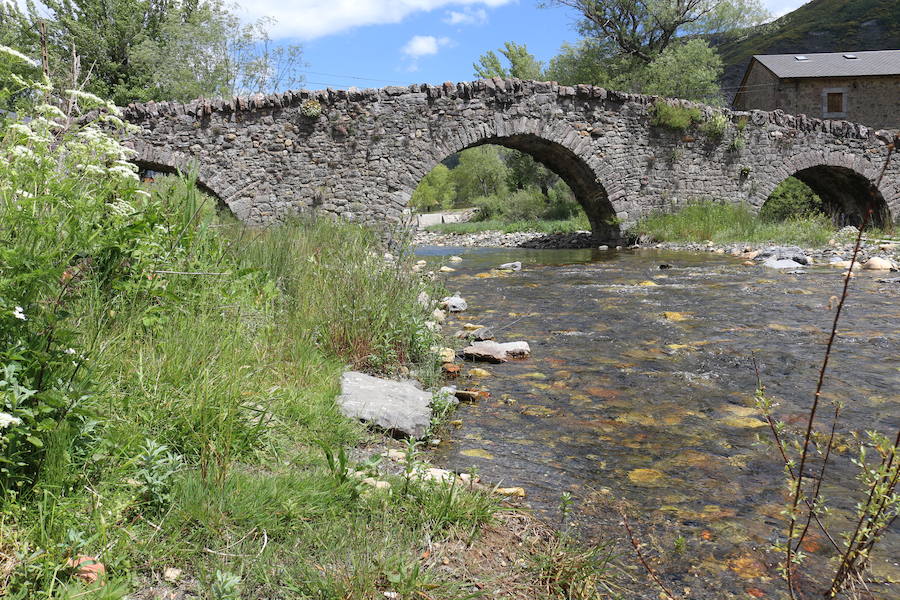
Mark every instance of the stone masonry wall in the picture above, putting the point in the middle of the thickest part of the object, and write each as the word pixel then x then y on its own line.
pixel 363 155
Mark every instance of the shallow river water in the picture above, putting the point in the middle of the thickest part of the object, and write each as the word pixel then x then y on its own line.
pixel 640 389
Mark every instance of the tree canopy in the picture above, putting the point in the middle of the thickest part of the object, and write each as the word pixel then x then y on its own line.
pixel 522 64
pixel 645 28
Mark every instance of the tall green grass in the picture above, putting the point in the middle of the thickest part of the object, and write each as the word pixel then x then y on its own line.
pixel 199 447
pixel 725 223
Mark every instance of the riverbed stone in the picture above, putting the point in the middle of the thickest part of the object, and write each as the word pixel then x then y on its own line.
pixel 492 351
pixel 781 263
pixel 454 303
pixel 785 253
pixel 394 406
pixel 512 266
pixel 876 263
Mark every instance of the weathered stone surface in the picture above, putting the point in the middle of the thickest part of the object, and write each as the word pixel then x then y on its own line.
pixel 876 263
pixel 785 253
pixel 391 405
pixel 454 304
pixel 491 351
pixel 363 156
pixel 781 263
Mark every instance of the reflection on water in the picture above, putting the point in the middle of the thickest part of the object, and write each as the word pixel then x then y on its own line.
pixel 640 387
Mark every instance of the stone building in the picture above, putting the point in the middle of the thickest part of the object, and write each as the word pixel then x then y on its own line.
pixel 863 87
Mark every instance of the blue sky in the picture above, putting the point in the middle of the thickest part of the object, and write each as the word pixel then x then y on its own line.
pixel 373 43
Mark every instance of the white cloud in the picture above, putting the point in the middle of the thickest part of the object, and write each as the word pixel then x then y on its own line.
pixel 309 19
pixel 424 45
pixel 468 16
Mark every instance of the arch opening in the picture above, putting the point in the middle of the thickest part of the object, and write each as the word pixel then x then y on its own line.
pixel 840 193
pixel 536 167
pixel 149 171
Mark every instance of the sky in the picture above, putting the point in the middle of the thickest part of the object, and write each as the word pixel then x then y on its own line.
pixel 374 43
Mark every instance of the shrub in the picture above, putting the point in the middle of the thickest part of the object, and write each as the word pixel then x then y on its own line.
pixel 674 117
pixel 311 109
pixel 791 199
pixel 715 127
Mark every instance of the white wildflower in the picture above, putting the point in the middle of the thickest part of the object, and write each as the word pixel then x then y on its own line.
pixel 24 194
pixel 69 350
pixel 93 170
pixel 48 110
pixel 126 165
pixel 19 81
pixel 123 172
pixel 19 128
pixel 20 314
pixel 43 86
pixel 121 208
pixel 21 152
pixel 142 193
pixel 7 419
pixel 18 56
pixel 88 98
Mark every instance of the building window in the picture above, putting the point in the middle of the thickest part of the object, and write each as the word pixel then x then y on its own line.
pixel 834 103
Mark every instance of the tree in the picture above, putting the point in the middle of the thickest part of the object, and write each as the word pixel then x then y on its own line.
pixel 688 70
pixel 522 64
pixel 436 190
pixel 524 172
pixel 139 50
pixel 481 172
pixel 645 28
pixel 589 61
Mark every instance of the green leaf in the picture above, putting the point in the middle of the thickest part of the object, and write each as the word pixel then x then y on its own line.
pixel 35 441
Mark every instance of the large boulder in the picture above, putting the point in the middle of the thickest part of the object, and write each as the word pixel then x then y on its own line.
pixel 491 351
pixel 394 406
pixel 454 303
pixel 781 263
pixel 784 253
pixel 876 263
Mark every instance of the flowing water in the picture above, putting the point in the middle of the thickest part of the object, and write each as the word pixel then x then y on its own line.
pixel 640 389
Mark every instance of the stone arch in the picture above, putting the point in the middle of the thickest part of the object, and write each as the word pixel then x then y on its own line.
pixel 217 185
pixel 560 148
pixel 845 182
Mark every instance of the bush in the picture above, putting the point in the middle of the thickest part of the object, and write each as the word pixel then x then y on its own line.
pixel 715 127
pixel 674 117
pixel 791 199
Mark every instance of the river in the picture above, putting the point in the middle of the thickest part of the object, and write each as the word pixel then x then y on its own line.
pixel 640 391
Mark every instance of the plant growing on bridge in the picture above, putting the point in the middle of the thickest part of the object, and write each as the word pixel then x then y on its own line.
pixel 715 127
pixel 311 109
pixel 672 116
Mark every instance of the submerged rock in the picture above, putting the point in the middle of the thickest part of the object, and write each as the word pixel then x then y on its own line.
pixel 391 405
pixel 513 266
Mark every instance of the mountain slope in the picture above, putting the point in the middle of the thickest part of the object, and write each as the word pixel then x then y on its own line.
pixel 818 26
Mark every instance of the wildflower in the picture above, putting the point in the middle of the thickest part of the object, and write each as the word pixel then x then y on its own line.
pixel 49 110
pixel 19 128
pixel 142 193
pixel 7 419
pixel 123 172
pixel 18 56
pixel 21 151
pixel 86 97
pixel 19 314
pixel 69 351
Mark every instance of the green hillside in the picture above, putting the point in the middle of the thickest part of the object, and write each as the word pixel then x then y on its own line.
pixel 818 26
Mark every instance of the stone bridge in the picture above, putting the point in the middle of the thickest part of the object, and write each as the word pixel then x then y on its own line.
pixel 360 154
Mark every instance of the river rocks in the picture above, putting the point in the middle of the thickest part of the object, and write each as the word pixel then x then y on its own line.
pixel 424 299
pixel 438 315
pixel 781 263
pixel 876 263
pixel 483 334
pixel 785 253
pixel 491 351
pixel 844 264
pixel 446 269
pixel 391 405
pixel 512 266
pixel 454 303
pixel 455 259
pixel 476 372
pixel 515 492
pixel 446 355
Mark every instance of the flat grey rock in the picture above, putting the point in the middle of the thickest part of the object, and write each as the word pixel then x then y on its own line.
pixel 493 352
pixel 784 253
pixel 515 266
pixel 454 303
pixel 781 263
pixel 391 405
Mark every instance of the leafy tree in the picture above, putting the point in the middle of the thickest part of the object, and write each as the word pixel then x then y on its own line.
pixel 645 28
pixel 688 70
pixel 588 61
pixel 481 172
pixel 436 190
pixel 138 50
pixel 522 64
pixel 525 172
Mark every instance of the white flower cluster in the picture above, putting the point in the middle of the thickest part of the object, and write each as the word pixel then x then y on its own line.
pixel 91 101
pixel 48 110
pixel 19 313
pixel 121 208
pixel 7 419
pixel 15 54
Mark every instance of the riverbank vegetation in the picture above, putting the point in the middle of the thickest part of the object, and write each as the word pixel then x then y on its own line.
pixel 168 423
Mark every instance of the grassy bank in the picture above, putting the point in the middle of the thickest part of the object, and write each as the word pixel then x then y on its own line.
pixel 726 223
pixel 579 223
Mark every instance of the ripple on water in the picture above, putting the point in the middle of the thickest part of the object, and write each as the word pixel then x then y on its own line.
pixel 620 402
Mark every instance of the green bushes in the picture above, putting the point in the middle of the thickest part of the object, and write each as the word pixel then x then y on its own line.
pixel 673 116
pixel 791 199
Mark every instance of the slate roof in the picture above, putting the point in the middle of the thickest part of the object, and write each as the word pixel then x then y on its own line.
pixel 833 64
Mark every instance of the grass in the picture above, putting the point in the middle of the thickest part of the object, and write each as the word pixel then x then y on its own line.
pixel 579 223
pixel 201 448
pixel 726 223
